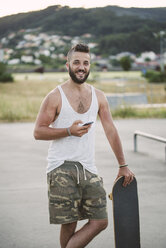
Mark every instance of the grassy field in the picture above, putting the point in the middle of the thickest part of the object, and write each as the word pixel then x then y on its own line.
pixel 20 101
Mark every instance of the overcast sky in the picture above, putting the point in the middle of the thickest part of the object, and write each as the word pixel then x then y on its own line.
pixel 9 7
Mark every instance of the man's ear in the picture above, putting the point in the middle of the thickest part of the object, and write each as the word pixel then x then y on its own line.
pixel 67 65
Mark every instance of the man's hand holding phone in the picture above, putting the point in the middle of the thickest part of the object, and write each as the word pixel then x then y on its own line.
pixel 87 123
pixel 79 128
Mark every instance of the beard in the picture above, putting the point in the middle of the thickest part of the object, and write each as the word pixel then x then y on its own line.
pixel 75 78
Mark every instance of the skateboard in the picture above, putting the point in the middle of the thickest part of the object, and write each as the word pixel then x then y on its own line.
pixel 125 214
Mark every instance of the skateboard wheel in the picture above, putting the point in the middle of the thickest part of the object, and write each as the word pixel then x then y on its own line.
pixel 110 196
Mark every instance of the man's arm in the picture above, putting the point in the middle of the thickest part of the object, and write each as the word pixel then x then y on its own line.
pixel 46 115
pixel 113 137
pixel 48 112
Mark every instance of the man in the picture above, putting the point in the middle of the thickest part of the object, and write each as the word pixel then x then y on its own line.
pixel 75 190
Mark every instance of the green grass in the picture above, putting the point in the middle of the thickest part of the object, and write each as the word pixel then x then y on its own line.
pixel 129 112
pixel 21 100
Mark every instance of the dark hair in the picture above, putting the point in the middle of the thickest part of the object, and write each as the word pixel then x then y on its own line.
pixel 78 48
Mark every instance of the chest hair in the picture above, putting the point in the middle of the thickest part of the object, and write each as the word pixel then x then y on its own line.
pixel 81 104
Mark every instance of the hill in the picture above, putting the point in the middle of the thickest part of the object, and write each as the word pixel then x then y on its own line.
pixel 156 14
pixel 114 28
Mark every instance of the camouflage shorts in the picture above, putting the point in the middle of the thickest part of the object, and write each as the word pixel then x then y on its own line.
pixel 75 194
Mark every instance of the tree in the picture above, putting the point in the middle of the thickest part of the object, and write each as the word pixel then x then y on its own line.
pixel 125 63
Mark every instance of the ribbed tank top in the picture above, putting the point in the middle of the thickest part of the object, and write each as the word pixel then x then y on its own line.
pixel 73 148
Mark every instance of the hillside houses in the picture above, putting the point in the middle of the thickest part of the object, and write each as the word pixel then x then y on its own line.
pixel 31 47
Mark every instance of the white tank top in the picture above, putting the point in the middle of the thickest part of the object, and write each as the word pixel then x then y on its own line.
pixel 72 148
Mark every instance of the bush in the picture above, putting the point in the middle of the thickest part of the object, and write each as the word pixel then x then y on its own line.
pixel 2 68
pixel 6 77
pixel 155 76
pixel 125 63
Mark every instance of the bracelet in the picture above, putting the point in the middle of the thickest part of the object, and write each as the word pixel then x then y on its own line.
pixel 124 165
pixel 68 131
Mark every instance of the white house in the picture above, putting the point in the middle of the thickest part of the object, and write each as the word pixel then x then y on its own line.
pixel 27 59
pixel 14 62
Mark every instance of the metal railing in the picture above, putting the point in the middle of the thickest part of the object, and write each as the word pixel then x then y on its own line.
pixel 149 136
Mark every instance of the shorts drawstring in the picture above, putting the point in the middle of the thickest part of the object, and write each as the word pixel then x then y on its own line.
pixel 84 173
pixel 78 174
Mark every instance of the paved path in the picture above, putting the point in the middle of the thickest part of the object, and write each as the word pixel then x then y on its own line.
pixel 23 189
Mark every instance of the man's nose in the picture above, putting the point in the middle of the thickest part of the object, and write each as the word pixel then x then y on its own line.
pixel 81 66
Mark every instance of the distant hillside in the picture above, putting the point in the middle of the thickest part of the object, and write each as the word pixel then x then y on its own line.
pixel 115 29
pixel 156 14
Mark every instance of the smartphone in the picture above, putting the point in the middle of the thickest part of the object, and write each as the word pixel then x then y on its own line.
pixel 87 123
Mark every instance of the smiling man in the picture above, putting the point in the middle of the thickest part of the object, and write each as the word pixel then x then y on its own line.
pixel 81 74
pixel 75 189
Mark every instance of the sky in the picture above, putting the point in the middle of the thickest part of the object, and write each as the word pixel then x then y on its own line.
pixel 9 7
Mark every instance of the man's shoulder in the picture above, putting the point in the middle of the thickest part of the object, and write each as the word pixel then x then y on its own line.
pixel 53 96
pixel 101 97
pixel 99 93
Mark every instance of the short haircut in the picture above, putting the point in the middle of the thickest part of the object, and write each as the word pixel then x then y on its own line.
pixel 83 48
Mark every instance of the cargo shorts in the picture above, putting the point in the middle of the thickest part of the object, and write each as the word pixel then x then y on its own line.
pixel 75 194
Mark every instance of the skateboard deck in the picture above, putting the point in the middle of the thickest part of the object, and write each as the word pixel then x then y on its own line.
pixel 125 214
